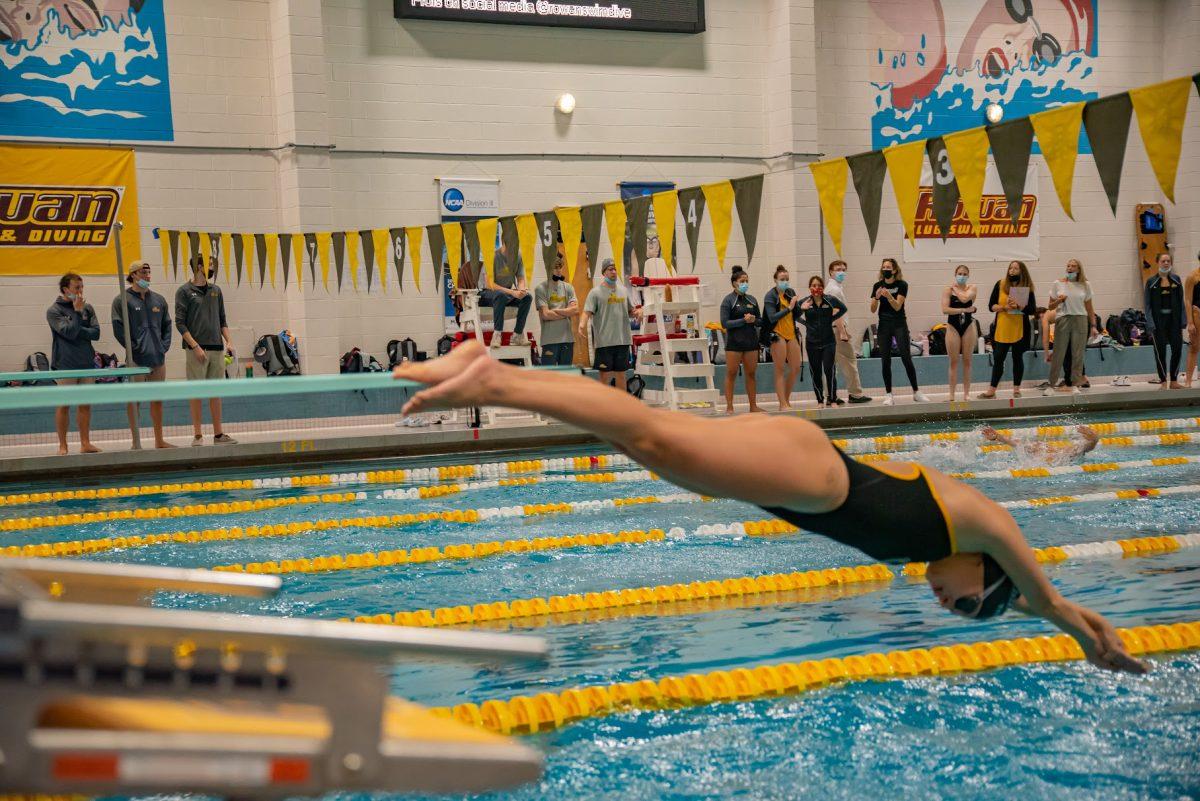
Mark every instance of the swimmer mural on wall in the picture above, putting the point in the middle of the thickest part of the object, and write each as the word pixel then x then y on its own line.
pixel 84 69
pixel 937 64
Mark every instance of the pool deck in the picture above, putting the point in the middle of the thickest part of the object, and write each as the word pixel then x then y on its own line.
pixel 380 437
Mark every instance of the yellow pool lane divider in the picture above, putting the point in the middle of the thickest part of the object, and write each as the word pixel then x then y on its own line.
pixel 595 463
pixel 639 600
pixel 455 515
pixel 478 550
pixel 883 444
pixel 530 714
pixel 1068 469
pixel 1091 497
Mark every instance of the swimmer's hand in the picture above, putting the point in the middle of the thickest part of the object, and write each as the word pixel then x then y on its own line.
pixel 463 378
pixel 1107 650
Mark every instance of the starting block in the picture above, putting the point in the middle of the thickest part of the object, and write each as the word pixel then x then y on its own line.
pixel 103 695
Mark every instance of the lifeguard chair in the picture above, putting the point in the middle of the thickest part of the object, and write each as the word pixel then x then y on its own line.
pixel 472 322
pixel 660 341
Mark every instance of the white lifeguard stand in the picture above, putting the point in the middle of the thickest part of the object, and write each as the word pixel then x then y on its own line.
pixel 659 341
pixel 473 324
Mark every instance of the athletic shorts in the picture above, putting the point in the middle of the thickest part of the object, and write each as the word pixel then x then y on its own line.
pixel 558 353
pixel 613 359
pixel 211 367
pixel 156 374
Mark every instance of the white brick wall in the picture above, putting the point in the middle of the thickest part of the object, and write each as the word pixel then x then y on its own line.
pixel 768 77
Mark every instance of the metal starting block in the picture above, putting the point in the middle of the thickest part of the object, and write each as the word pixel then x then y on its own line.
pixel 103 695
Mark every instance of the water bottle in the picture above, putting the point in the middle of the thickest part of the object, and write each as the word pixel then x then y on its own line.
pixel 866 350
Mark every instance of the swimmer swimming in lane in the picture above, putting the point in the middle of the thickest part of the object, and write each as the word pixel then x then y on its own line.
pixel 1049 452
pixel 979 562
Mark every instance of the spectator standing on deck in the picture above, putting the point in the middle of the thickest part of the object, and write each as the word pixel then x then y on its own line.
pixel 74 328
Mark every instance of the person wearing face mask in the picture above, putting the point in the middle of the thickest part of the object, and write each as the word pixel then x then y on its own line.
pixel 606 315
pixel 200 320
pixel 844 354
pixel 741 318
pixel 1071 302
pixel 556 304
pixel 150 335
pixel 820 314
pixel 1012 329
pixel 958 304
pixel 1191 297
pixel 74 328
pixel 781 328
pixel 1165 320
pixel 887 297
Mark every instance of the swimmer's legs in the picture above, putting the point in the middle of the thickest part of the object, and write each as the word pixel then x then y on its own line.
pixel 753 458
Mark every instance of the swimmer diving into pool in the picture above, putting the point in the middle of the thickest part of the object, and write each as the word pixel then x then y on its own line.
pixel 979 562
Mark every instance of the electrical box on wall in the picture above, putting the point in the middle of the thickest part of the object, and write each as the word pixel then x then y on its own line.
pixel 1151 222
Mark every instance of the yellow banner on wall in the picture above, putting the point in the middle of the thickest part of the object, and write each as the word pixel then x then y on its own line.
pixel 57 208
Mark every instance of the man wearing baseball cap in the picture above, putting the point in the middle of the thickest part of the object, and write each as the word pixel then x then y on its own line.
pixel 150 339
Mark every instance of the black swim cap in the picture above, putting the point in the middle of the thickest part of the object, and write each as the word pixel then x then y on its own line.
pixel 997 602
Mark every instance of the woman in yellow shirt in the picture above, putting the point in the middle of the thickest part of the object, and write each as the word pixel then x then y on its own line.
pixel 1012 328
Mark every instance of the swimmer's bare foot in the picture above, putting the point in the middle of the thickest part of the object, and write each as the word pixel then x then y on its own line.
pixel 462 378
pixel 62 450
pixel 987 394
pixel 1016 392
pixel 164 444
pixel 1176 385
pixel 89 448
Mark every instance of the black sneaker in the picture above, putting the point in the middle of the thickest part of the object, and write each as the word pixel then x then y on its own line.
pixel 860 399
pixel 224 439
pixel 839 402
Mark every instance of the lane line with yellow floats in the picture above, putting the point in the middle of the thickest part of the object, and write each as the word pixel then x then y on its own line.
pixel 1071 469
pixel 457 515
pixel 530 714
pixel 776 588
pixel 602 462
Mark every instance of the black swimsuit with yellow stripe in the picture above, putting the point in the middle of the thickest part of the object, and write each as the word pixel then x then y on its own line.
pixel 885 515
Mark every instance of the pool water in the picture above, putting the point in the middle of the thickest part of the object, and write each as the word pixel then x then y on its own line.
pixel 1061 731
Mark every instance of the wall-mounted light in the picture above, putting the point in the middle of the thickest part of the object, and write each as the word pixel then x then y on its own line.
pixel 994 113
pixel 566 103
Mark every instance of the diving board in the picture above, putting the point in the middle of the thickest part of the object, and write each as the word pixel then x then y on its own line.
pixel 29 376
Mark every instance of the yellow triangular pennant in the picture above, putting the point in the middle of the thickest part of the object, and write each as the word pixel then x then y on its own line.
pixel 164 242
pixel 453 234
pixel 615 220
pixel 353 243
pixel 324 240
pixel 570 226
pixel 226 245
pixel 904 164
pixel 665 205
pixel 719 199
pixel 298 259
pixel 1161 109
pixel 830 178
pixel 968 158
pixel 414 235
pixel 487 246
pixel 1057 132
pixel 527 237
pixel 381 240
pixel 272 241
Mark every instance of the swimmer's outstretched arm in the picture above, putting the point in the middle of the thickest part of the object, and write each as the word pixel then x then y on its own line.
pixel 729 457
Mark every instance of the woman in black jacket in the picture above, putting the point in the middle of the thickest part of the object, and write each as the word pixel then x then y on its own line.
pixel 819 313
pixel 740 317
pixel 1165 320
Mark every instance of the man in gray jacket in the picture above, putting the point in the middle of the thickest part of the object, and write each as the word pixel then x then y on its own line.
pixel 150 335
pixel 200 318
pixel 74 328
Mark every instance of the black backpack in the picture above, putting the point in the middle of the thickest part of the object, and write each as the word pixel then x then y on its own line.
pixel 937 340
pixel 107 361
pixel 352 361
pixel 635 386
pixel 38 363
pixel 399 350
pixel 276 357
pixel 445 345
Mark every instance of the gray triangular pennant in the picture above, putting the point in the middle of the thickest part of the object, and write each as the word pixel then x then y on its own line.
pixel 194 248
pixel 399 246
pixel 310 248
pixel 367 238
pixel 747 196
pixel 547 223
pixel 260 249
pixel 1011 143
pixel 285 255
pixel 238 256
pixel 945 187
pixel 511 242
pixel 1107 124
pixel 592 218
pixel 339 255
pixel 637 213
pixel 691 205
pixel 471 243
pixel 437 251
pixel 867 171
pixel 173 240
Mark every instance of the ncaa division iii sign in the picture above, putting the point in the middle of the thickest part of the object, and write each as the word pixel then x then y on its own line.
pixel 677 16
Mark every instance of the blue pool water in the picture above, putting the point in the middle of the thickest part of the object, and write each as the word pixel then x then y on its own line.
pixel 1061 731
